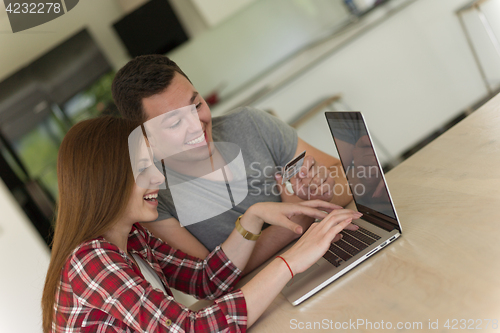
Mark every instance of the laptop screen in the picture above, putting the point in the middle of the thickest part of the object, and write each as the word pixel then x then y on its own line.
pixel 360 163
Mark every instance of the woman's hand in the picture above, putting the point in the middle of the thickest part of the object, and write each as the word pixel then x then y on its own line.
pixel 265 286
pixel 280 214
pixel 316 241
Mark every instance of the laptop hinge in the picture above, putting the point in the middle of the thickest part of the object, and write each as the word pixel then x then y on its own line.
pixel 379 222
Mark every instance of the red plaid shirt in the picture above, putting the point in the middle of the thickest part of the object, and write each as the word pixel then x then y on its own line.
pixel 102 290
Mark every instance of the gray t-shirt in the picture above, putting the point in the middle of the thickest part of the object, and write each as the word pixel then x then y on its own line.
pixel 266 143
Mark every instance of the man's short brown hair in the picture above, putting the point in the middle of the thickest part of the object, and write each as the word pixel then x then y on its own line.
pixel 140 78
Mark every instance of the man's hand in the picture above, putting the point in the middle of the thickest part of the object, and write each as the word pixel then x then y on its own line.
pixel 313 181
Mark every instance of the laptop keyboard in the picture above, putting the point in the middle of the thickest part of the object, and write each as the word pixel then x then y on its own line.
pixel 352 243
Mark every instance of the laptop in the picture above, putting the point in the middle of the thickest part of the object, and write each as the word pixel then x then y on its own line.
pixel 379 225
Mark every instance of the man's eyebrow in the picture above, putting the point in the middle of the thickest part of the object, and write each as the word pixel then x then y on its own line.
pixel 195 94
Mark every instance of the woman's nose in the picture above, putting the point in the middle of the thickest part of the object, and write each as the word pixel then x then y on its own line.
pixel 157 177
pixel 194 122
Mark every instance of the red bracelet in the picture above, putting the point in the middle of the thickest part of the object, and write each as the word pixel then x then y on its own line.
pixel 286 264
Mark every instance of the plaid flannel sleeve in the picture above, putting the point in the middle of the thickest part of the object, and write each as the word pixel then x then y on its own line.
pixel 101 279
pixel 208 279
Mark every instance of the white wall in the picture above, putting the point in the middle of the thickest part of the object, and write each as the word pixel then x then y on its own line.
pixel 190 17
pixel 488 55
pixel 409 75
pixel 130 5
pixel 24 259
pixel 254 40
pixel 216 11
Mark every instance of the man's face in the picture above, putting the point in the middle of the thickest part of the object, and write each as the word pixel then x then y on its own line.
pixel 176 129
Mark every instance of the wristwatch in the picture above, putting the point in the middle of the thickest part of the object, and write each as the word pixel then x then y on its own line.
pixel 246 234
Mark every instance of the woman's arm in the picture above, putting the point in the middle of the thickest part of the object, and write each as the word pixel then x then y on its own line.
pixel 265 286
pixel 274 238
pixel 213 276
pixel 178 237
pixel 239 249
pixel 102 280
pixel 205 279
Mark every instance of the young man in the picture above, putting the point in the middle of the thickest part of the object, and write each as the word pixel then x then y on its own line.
pixel 149 87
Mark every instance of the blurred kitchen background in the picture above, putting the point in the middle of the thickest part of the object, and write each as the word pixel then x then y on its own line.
pixel 413 67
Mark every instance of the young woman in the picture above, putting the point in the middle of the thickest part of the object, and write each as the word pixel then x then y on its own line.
pixel 109 274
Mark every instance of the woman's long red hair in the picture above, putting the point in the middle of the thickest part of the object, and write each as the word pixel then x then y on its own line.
pixel 95 183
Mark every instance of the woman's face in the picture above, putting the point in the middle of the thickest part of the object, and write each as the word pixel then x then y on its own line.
pixel 143 201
